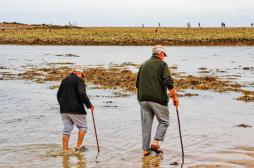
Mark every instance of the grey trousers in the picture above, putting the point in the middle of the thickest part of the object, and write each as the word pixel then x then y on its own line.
pixel 148 111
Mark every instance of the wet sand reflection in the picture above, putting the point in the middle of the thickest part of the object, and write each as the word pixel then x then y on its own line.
pixel 152 161
pixel 79 163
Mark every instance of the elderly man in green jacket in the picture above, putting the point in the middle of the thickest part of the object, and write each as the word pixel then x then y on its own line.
pixel 153 81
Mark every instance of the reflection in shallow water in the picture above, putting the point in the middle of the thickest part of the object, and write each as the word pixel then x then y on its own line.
pixel 79 163
pixel 152 161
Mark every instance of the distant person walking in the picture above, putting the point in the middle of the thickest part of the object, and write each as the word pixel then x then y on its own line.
pixel 71 96
pixel 153 80
pixel 223 25
pixel 251 24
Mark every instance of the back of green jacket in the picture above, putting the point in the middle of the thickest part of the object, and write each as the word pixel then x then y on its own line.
pixel 153 80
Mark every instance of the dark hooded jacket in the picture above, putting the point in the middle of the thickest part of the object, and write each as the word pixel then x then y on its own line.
pixel 72 95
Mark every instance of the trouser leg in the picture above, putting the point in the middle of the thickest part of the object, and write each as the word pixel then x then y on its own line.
pixel 162 115
pixel 147 116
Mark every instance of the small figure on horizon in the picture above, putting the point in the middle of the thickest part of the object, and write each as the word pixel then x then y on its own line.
pixel 199 25
pixel 223 25
pixel 159 24
pixel 251 24
pixel 188 25
pixel 143 25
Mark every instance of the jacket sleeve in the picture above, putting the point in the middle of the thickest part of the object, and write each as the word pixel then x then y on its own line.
pixel 82 93
pixel 137 81
pixel 167 79
pixel 59 92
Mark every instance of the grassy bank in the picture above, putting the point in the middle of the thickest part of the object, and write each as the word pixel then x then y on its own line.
pixel 47 35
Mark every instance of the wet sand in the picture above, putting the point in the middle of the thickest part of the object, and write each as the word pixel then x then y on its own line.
pixel 236 157
pixel 46 154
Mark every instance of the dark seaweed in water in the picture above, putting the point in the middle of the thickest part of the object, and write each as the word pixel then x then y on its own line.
pixel 119 77
pixel 248 96
pixel 244 126
pixel 67 55
pixel 248 68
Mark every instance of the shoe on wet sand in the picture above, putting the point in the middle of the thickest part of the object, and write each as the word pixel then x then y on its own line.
pixel 156 149
pixel 81 149
pixel 147 152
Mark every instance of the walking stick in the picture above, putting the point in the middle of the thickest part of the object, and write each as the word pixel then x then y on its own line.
pixel 98 147
pixel 179 126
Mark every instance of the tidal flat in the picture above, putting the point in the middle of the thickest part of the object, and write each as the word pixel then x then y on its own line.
pixel 217 128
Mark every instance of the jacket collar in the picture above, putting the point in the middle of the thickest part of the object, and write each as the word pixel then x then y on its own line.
pixel 155 57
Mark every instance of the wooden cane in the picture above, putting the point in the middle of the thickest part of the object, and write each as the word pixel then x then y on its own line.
pixel 180 133
pixel 97 141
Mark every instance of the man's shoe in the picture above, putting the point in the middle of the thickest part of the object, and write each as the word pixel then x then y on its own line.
pixel 81 149
pixel 156 149
pixel 147 152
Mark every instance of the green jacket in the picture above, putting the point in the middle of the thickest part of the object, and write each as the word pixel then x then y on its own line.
pixel 153 80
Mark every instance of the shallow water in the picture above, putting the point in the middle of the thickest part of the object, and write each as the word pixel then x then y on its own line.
pixel 31 123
